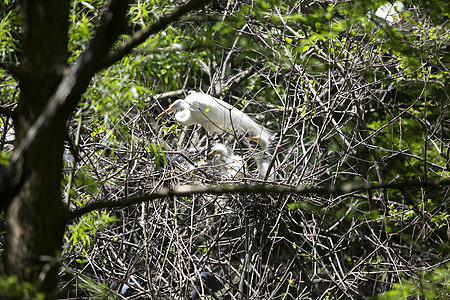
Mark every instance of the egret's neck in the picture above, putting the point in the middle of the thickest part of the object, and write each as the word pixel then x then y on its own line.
pixel 183 116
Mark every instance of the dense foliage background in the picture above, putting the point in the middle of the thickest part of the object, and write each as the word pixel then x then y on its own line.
pixel 351 98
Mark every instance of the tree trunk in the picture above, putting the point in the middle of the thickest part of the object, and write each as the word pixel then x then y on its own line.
pixel 36 214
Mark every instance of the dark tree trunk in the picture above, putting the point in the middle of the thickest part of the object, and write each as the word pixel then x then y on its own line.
pixel 36 214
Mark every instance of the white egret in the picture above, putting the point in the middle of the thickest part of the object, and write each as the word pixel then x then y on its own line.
pixel 390 11
pixel 231 163
pixel 216 116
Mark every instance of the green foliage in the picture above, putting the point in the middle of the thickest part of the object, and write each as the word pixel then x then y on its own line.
pixel 157 153
pixel 5 157
pixel 80 234
pixel 10 22
pixel 305 205
pixel 95 289
pixel 84 18
pixel 434 284
pixel 11 288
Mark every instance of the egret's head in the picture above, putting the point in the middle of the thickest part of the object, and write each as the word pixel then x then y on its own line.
pixel 260 141
pixel 219 149
pixel 179 104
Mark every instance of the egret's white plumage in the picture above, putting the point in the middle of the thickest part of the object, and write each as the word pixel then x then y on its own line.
pixel 390 11
pixel 232 164
pixel 216 116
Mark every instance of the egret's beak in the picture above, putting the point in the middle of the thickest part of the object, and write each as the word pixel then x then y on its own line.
pixel 163 113
pixel 214 152
pixel 255 139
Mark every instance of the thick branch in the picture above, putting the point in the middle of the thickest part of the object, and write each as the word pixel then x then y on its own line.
pixel 140 36
pixel 260 188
